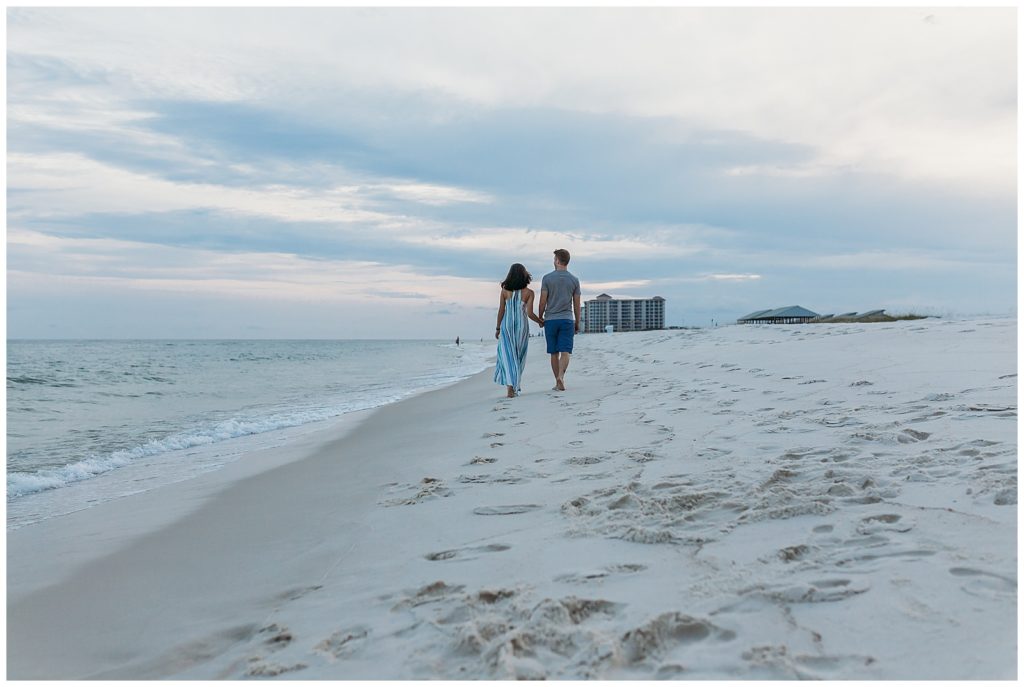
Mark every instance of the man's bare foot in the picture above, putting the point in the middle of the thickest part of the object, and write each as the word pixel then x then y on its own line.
pixel 559 385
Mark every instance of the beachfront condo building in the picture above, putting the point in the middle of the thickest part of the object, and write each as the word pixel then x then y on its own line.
pixel 623 314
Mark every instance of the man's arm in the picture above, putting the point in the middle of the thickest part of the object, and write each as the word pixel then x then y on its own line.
pixel 543 303
pixel 530 301
pixel 576 310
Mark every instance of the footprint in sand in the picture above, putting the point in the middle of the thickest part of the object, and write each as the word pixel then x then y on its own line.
pixel 277 637
pixel 986 584
pixel 428 488
pixel 298 592
pixel 888 522
pixel 506 510
pixel 589 476
pixel 496 444
pixel 911 435
pixel 814 592
pixel 481 460
pixel 431 593
pixel 775 662
pixel 260 668
pixel 1006 497
pixel 466 554
pixel 665 633
pixel 908 554
pixel 586 460
pixel 488 435
pixel 506 478
pixel 793 553
pixel 343 643
pixel 642 457
pixel 991 408
pixel 595 575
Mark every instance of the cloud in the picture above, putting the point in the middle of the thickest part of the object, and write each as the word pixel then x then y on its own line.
pixel 888 109
pixel 430 194
pixel 733 277
pixel 892 261
pixel 584 172
pixel 278 276
pixel 609 286
pixel 312 153
pixel 65 184
pixel 537 245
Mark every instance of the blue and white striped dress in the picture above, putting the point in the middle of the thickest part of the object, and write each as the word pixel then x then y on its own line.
pixel 513 340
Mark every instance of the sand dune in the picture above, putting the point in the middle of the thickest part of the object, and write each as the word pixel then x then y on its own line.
pixel 828 501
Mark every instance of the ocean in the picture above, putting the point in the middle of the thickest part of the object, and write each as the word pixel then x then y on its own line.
pixel 90 421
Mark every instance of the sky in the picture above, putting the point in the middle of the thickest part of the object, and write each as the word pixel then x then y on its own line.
pixel 373 173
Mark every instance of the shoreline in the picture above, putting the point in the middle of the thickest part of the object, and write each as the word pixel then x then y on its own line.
pixel 225 501
pixel 733 503
pixel 162 506
pixel 157 438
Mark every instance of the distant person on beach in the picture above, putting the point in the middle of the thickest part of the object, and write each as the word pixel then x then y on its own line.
pixel 513 331
pixel 560 312
pixel 456 341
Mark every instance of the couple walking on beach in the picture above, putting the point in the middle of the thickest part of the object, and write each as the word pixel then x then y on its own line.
pixel 559 310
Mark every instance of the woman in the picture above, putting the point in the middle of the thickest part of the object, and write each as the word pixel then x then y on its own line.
pixel 513 331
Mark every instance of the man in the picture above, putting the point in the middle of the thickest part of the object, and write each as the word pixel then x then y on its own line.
pixel 559 309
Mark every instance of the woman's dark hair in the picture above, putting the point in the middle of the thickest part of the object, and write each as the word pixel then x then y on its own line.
pixel 518 278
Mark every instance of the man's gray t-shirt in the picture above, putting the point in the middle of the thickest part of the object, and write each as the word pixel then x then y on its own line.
pixel 560 287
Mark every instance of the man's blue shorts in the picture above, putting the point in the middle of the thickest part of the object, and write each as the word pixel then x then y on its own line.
pixel 558 334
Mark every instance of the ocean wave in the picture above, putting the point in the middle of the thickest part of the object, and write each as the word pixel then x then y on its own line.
pixel 24 483
pixel 25 379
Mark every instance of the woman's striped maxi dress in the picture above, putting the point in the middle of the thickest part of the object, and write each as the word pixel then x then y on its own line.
pixel 512 342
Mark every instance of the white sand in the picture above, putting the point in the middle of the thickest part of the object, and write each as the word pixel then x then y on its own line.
pixel 832 501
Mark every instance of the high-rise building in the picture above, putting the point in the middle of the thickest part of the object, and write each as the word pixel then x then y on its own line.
pixel 624 314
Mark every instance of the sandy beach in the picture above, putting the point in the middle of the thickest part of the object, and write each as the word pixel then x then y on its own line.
pixel 816 501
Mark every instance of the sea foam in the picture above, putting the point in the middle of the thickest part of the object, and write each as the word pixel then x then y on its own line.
pixel 289 384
